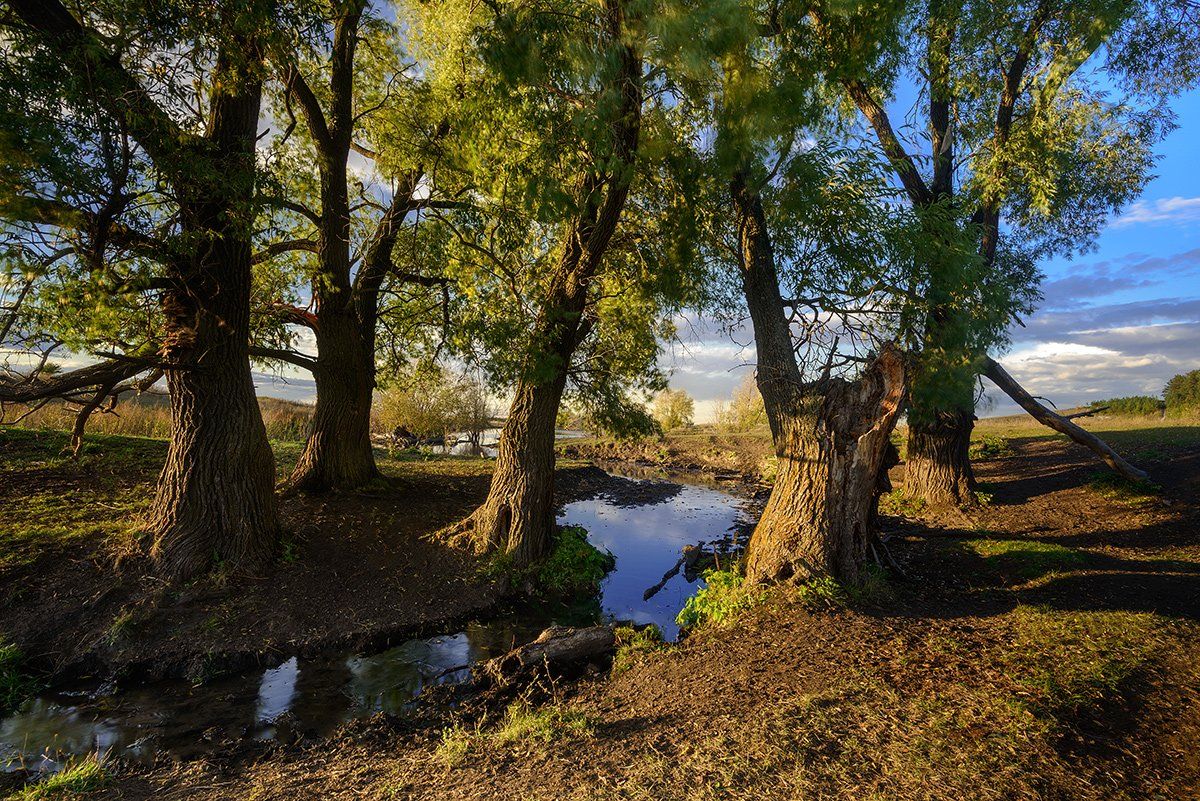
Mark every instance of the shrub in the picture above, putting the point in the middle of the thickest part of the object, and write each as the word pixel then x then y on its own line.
pixel 433 403
pixel 725 596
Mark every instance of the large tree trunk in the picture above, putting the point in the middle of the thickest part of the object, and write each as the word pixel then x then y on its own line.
pixel 820 517
pixel 216 495
pixel 338 454
pixel 937 466
pixel 830 435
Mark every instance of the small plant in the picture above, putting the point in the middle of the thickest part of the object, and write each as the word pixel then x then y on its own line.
pixel 1121 489
pixel 823 593
pixel 79 776
pixel 898 504
pixel 632 642
pixel 575 566
pixel 15 684
pixel 989 446
pixel 523 722
pixel 455 745
pixel 724 597
pixel 120 626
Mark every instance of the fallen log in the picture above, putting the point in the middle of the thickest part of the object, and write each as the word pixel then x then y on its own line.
pixel 1006 382
pixel 556 647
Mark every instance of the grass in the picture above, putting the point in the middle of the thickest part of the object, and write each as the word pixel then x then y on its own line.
pixel 719 603
pixel 522 724
pixel 898 504
pixel 15 683
pixel 1025 559
pixel 1122 490
pixel 989 446
pixel 574 566
pixel 633 644
pixel 79 776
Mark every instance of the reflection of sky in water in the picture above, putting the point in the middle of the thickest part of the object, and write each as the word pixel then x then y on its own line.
pixel 313 696
pixel 647 541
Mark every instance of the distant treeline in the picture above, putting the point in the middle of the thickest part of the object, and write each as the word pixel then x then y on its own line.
pixel 1181 397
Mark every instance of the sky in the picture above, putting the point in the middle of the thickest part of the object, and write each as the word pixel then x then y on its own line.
pixel 1118 320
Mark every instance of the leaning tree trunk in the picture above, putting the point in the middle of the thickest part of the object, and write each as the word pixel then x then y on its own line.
pixel 831 447
pixel 338 454
pixel 216 494
pixel 937 466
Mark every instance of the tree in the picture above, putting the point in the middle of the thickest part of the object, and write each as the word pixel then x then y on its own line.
pixel 674 408
pixel 194 176
pixel 745 411
pixel 347 103
pixel 559 92
pixel 1019 132
pixel 1182 393
pixel 813 219
pixel 435 403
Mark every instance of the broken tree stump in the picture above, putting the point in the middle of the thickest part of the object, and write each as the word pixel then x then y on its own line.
pixel 555 648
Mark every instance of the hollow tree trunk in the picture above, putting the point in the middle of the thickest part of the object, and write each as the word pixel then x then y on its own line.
pixel 830 435
pixel 337 454
pixel 937 467
pixel 819 519
pixel 215 502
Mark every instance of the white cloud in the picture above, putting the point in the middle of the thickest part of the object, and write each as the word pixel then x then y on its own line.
pixel 1164 210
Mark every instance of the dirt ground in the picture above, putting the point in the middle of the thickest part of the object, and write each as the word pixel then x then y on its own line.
pixel 1045 646
pixel 357 570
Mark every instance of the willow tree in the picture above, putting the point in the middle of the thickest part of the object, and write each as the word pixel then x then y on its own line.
pixel 564 297
pixel 350 89
pixel 819 265
pixel 1024 156
pixel 164 160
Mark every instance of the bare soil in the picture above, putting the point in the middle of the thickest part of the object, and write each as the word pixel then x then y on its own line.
pixel 1046 645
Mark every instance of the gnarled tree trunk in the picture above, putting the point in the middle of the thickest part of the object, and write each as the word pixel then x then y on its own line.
pixel 216 494
pixel 820 517
pixel 830 435
pixel 937 466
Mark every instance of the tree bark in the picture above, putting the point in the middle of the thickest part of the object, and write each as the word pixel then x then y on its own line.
pixel 937 465
pixel 1006 382
pixel 820 517
pixel 830 435
pixel 215 503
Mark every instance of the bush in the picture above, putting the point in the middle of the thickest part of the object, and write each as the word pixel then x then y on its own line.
pixel 434 403
pixel 1182 393
pixel 720 602
pixel 575 566
pixel 1133 405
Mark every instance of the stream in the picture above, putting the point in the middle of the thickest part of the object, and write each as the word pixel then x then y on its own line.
pixel 312 697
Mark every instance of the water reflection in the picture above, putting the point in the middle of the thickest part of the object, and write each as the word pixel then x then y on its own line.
pixel 311 697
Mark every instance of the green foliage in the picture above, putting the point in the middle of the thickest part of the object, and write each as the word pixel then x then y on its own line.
pixel 825 592
pixel 15 684
pixel 989 446
pixel 718 604
pixel 900 504
pixel 1182 394
pixel 574 566
pixel 83 775
pixel 632 643
pixel 674 408
pixel 1123 490
pixel 1133 405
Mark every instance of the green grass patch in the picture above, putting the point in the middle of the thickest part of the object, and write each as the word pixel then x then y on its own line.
pixel 989 446
pixel 79 776
pixel 633 643
pixel 899 504
pixel 1025 559
pixel 574 566
pixel 523 722
pixel 15 683
pixel 718 604
pixel 1118 488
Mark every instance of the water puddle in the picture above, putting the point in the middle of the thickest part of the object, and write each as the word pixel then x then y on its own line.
pixel 311 697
